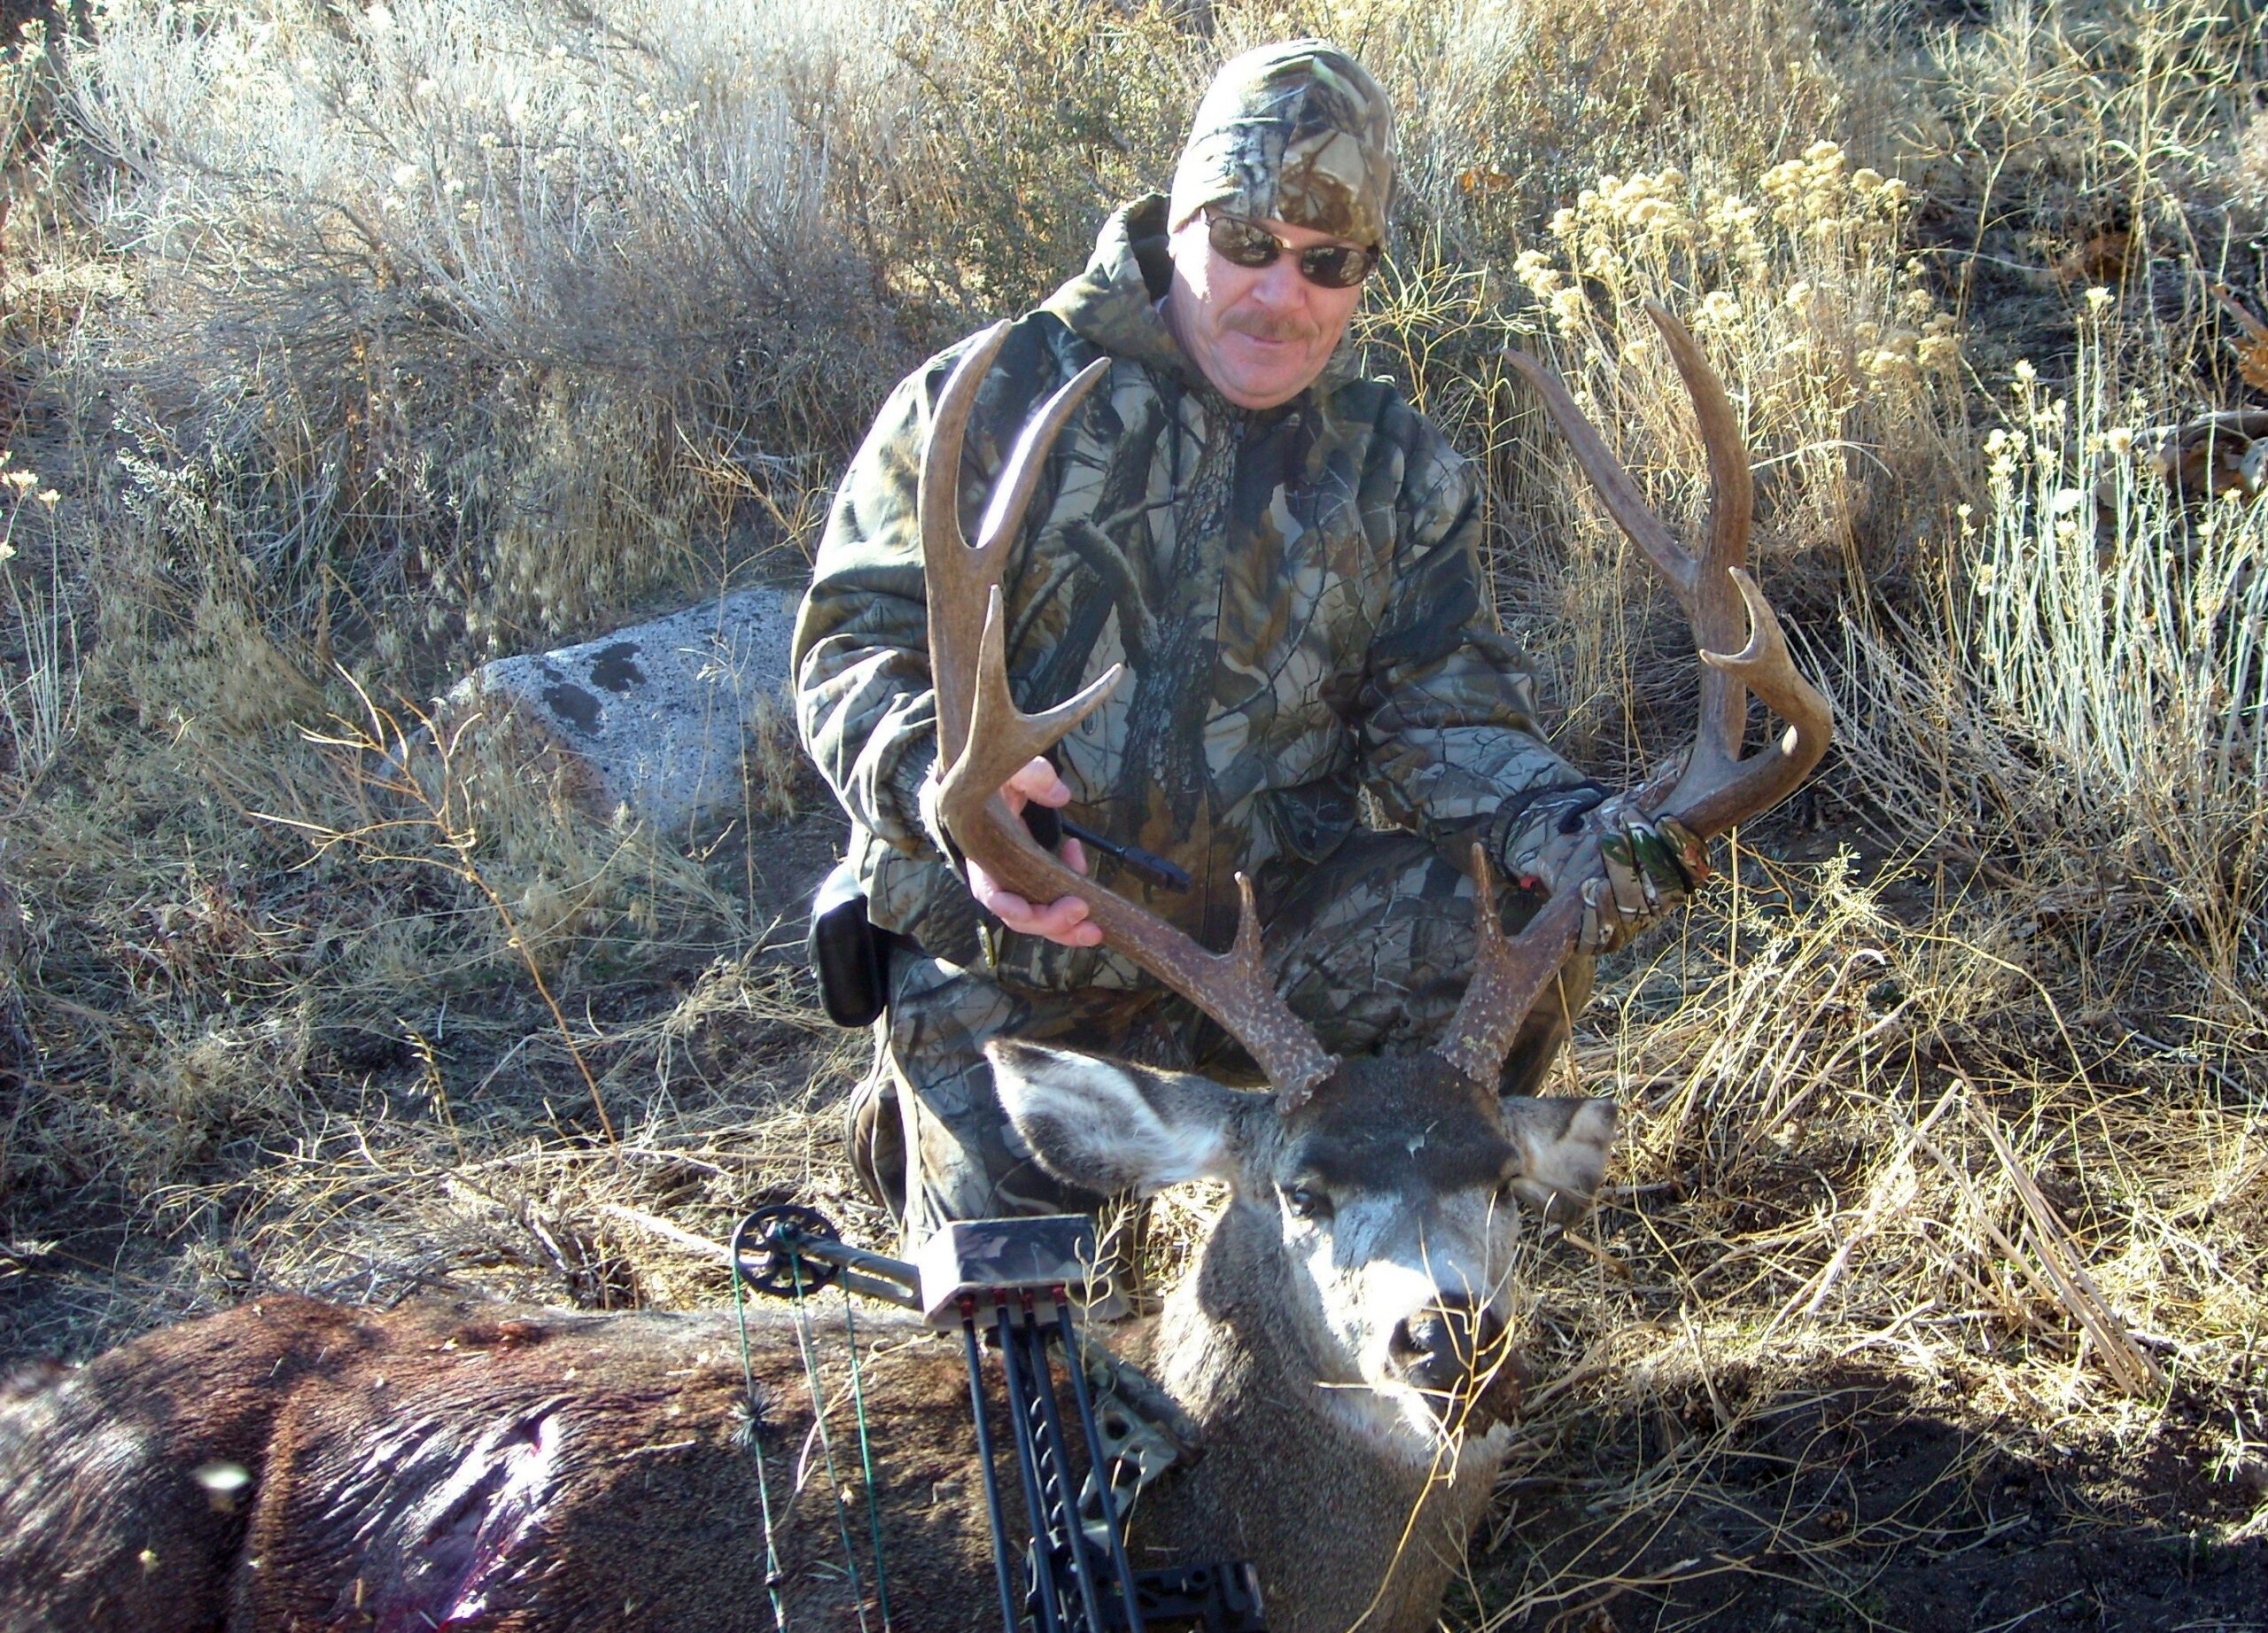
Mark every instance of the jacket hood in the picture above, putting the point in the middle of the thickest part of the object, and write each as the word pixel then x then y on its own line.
pixel 1114 303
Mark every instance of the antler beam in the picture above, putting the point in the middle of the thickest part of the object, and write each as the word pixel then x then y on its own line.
pixel 1739 637
pixel 1743 649
pixel 984 739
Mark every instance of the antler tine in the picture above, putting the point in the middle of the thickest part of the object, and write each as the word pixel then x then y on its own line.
pixel 1507 976
pixel 1703 587
pixel 1002 738
pixel 1709 802
pixel 984 739
pixel 957 574
pixel 1718 787
pixel 1722 604
pixel 1714 608
pixel 1615 488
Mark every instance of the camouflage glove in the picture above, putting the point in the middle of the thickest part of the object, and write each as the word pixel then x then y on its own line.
pixel 1652 863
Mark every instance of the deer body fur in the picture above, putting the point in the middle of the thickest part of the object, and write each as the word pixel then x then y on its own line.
pixel 444 1466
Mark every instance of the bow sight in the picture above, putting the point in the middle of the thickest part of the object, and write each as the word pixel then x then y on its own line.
pixel 1009 1285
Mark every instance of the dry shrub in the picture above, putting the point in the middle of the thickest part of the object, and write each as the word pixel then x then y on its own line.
pixel 383 901
pixel 199 1091
pixel 584 469
pixel 450 281
pixel 209 623
pixel 39 708
pixel 1550 95
pixel 439 1187
pixel 496 808
pixel 2252 163
pixel 1019 123
pixel 2099 113
pixel 2083 704
pixel 1549 99
pixel 475 306
pixel 1836 353
pixel 203 1053
pixel 47 286
pixel 552 1223
pixel 450 328
pixel 1842 373
pixel 1858 1151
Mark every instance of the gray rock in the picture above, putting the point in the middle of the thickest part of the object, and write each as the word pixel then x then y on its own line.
pixel 658 715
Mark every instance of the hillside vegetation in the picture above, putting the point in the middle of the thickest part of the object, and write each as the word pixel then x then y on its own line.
pixel 343 347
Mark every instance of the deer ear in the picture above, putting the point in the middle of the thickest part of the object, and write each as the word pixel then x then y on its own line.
pixel 1113 1127
pixel 1563 1143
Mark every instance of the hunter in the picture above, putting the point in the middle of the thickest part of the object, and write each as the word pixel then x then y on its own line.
pixel 1284 555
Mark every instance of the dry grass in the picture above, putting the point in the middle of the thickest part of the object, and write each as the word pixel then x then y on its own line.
pixel 354 345
pixel 1875 1177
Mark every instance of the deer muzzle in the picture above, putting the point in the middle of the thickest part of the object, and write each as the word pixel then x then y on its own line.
pixel 1456 1352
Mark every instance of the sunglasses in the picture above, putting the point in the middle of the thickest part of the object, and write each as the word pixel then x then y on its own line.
pixel 1242 243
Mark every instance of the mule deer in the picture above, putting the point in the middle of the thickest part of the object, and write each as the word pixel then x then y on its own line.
pixel 1340 1339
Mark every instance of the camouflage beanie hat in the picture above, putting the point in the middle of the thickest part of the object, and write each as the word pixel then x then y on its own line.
pixel 1298 133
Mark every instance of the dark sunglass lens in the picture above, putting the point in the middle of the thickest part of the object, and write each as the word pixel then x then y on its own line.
pixel 1336 266
pixel 1247 244
pixel 1241 243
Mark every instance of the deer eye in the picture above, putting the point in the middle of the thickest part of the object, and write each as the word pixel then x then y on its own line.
pixel 1306 1202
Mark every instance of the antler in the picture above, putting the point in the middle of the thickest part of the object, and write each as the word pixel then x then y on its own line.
pixel 983 738
pixel 1743 650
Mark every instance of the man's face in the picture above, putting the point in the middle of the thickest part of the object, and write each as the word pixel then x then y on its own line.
pixel 1259 334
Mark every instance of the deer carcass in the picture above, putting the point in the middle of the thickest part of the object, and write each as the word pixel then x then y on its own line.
pixel 1341 1338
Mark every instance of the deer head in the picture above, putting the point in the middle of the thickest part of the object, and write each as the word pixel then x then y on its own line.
pixel 1373 1196
pixel 1367 1246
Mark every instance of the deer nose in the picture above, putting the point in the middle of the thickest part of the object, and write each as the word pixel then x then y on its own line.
pixel 1443 1347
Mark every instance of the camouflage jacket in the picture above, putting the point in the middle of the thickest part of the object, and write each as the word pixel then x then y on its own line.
pixel 1294 591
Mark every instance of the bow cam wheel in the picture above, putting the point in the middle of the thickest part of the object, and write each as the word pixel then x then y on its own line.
pixel 764 1249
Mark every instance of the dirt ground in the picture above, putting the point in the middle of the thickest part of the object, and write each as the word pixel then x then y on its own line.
pixel 1850 1496
pixel 1858 1499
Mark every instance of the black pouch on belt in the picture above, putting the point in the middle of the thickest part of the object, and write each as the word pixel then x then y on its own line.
pixel 848 955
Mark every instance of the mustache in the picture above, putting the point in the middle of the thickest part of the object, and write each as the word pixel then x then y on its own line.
pixel 1262 326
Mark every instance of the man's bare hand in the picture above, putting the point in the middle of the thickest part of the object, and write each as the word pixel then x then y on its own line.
pixel 1063 920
